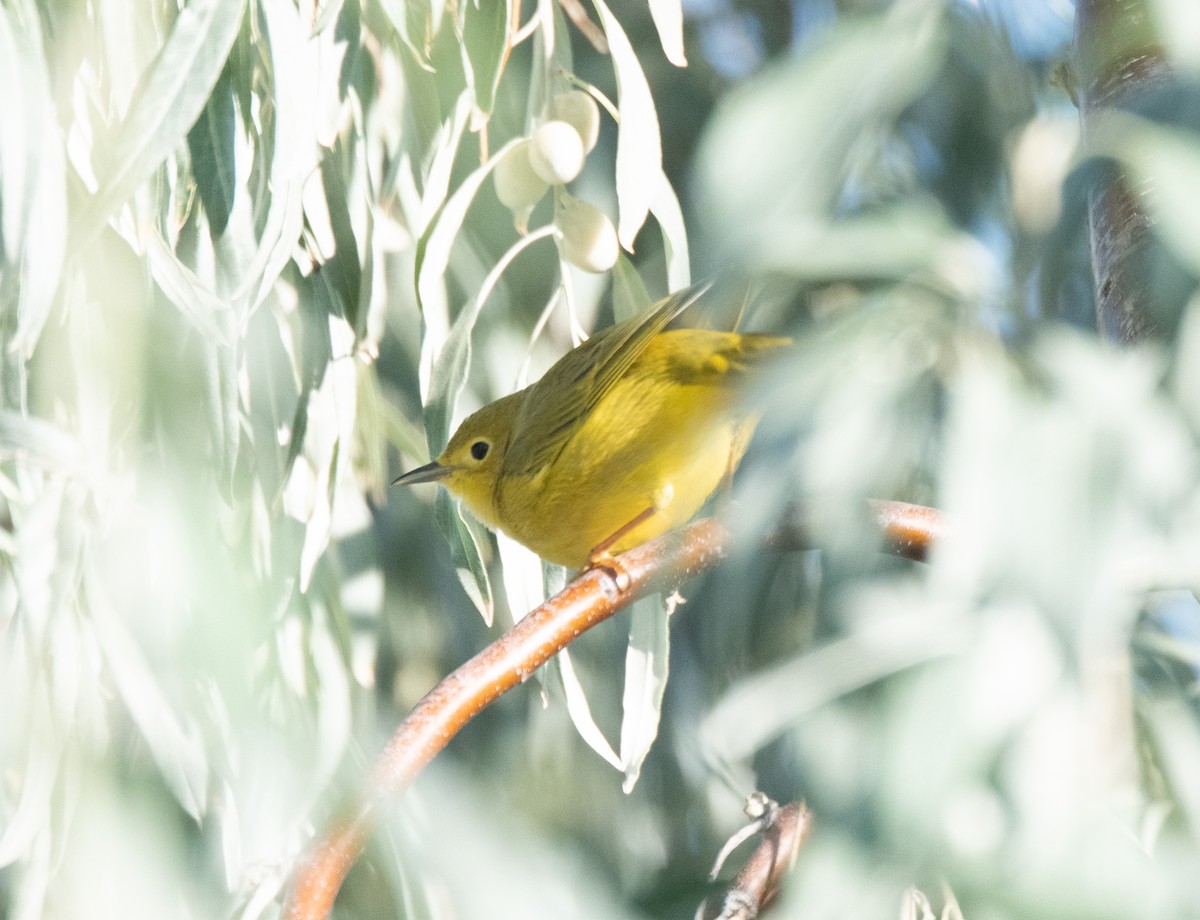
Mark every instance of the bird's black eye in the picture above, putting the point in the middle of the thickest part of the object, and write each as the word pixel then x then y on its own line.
pixel 480 449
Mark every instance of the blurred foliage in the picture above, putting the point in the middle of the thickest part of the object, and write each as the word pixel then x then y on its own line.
pixel 252 265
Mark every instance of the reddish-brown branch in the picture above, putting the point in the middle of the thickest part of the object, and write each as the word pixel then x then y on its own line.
pixel 590 599
pixel 760 878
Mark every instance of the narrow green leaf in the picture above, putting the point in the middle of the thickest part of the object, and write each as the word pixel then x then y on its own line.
pixel 485 50
pixel 666 210
pixel 464 550
pixel 581 712
pixel 169 99
pixel 453 355
pixel 646 660
pixel 639 146
pixel 521 571
pixel 444 151
pixel 668 20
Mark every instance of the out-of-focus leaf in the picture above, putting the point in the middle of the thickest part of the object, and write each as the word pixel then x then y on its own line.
pixel 39 774
pixel 343 271
pixel 759 708
pixel 668 20
pixel 464 550
pixel 184 289
pixel 32 178
pixel 328 15
pixel 170 98
pixel 485 50
pixel 332 699
pixel 646 663
pixel 1166 167
pixel 478 835
pixel 779 146
pixel 1021 465
pixel 639 146
pixel 26 437
pixel 177 746
pixel 210 143
pixel 901 242
pixel 1178 28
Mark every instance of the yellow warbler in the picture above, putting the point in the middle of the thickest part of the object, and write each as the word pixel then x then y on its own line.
pixel 623 439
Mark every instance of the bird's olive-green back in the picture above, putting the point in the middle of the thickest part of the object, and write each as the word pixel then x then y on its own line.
pixel 556 405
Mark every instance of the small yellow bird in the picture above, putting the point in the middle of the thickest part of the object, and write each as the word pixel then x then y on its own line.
pixel 623 439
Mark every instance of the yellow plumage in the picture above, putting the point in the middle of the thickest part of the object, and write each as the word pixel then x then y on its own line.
pixel 625 438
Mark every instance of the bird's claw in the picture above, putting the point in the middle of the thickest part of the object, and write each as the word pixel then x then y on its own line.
pixel 607 563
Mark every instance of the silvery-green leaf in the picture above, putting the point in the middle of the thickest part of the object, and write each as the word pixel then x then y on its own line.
pixel 484 52
pixel 646 666
pixel 452 358
pixel 464 549
pixel 294 151
pixel 522 576
pixel 176 744
pixel 170 97
pixel 32 182
pixel 668 20
pixel 639 146
pixel 666 210
pixel 210 143
pixel 26 437
pixel 581 712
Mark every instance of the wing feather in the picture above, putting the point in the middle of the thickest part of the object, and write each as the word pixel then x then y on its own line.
pixel 559 402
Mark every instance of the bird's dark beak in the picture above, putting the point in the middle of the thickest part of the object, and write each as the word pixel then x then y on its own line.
pixel 430 472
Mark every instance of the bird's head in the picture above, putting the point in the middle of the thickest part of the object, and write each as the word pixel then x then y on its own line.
pixel 471 463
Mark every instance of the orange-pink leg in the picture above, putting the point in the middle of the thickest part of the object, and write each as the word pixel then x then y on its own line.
pixel 600 558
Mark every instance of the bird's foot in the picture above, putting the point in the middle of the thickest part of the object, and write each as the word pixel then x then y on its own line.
pixel 607 563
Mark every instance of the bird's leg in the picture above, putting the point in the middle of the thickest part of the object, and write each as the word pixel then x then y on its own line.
pixel 600 558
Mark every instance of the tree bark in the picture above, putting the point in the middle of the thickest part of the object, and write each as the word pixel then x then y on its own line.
pixel 1117 57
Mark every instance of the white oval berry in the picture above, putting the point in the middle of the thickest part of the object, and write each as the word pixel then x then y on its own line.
pixel 517 186
pixel 556 152
pixel 589 239
pixel 579 110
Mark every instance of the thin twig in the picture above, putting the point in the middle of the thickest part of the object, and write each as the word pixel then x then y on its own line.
pixel 593 597
pixel 784 831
